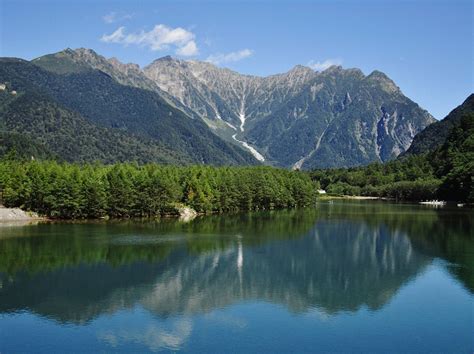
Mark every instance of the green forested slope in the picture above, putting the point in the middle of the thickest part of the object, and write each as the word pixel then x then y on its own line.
pixel 104 103
pixel 433 136
pixel 21 146
pixel 65 134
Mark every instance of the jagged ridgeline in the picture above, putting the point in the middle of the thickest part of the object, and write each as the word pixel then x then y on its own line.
pixel 301 118
pixel 181 111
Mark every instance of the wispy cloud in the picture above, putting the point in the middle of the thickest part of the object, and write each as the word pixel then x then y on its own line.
pixel 188 50
pixel 113 17
pixel 229 57
pixel 323 65
pixel 161 37
pixel 154 337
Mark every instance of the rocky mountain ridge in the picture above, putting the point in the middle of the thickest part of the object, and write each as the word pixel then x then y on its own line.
pixel 294 119
pixel 299 119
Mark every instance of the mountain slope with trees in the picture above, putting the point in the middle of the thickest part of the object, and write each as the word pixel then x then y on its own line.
pixel 133 112
pixel 437 133
pixel 445 172
pixel 38 127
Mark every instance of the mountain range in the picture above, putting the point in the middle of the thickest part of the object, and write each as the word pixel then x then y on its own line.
pixel 81 106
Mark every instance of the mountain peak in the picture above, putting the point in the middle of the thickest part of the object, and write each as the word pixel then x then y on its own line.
pixel 301 70
pixel 333 68
pixel 165 59
pixel 300 67
pixel 383 80
pixel 124 66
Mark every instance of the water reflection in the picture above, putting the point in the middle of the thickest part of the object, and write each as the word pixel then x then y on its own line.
pixel 336 258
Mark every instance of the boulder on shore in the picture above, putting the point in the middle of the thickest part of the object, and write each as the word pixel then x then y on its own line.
pixel 16 214
pixel 186 213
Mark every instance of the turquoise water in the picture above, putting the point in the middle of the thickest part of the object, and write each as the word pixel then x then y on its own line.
pixel 345 276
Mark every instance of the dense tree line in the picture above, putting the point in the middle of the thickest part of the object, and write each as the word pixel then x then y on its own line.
pixel 410 179
pixel 73 191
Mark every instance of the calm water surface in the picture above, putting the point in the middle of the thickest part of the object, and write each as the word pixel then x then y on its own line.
pixel 357 277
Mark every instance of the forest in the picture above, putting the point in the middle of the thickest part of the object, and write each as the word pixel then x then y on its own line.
pixel 80 191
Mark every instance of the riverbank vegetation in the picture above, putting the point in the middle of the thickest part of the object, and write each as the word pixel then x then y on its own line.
pixel 410 179
pixel 79 191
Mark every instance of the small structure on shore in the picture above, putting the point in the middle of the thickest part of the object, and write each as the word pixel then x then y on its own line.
pixel 434 202
pixel 321 191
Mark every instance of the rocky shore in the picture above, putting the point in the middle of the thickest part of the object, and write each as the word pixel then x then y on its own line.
pixel 16 214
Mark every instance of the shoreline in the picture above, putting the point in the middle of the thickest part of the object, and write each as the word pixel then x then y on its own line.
pixel 9 216
pixel 353 197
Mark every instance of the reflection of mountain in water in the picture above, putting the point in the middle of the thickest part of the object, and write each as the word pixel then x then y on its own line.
pixel 337 266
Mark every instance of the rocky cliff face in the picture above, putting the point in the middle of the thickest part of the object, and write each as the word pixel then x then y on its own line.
pixel 299 119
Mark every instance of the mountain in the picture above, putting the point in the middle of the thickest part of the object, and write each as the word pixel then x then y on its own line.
pixel 90 110
pixel 82 59
pixel 198 112
pixel 299 119
pixel 435 135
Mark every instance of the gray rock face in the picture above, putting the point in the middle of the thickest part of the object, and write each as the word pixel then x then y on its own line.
pixel 15 214
pixel 299 119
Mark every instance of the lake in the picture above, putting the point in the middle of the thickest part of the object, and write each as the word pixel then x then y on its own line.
pixel 345 276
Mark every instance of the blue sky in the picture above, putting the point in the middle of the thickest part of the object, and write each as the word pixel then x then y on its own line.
pixel 426 47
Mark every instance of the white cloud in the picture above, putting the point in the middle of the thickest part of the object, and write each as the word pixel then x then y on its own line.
pixel 161 37
pixel 113 16
pixel 229 57
pixel 115 37
pixel 188 50
pixel 320 66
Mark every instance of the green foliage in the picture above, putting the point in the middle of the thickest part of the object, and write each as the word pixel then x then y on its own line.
pixel 72 191
pixel 20 146
pixel 410 179
pixel 455 161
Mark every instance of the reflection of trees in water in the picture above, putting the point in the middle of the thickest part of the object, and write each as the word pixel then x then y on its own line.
pixel 445 233
pixel 338 265
pixel 45 247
